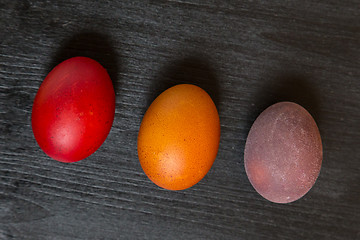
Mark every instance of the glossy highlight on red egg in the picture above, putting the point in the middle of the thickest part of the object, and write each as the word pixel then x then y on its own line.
pixel 283 153
pixel 73 110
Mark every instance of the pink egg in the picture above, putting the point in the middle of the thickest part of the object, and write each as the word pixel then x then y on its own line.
pixel 283 153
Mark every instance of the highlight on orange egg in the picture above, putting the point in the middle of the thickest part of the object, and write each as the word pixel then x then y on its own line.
pixel 179 137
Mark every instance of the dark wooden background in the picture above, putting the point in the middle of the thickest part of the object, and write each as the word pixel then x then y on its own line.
pixel 246 54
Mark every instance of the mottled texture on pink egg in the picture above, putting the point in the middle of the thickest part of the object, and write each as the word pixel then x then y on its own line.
pixel 283 153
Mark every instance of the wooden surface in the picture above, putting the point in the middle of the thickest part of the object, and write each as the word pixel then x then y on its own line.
pixel 246 54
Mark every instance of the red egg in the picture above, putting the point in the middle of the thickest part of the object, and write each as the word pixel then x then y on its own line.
pixel 283 153
pixel 73 110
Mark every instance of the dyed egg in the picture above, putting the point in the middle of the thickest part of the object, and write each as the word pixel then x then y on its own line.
pixel 283 153
pixel 179 137
pixel 73 110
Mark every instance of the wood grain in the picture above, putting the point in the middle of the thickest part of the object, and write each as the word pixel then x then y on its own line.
pixel 246 54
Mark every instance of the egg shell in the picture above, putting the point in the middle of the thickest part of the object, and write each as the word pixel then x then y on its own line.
pixel 73 110
pixel 179 137
pixel 283 153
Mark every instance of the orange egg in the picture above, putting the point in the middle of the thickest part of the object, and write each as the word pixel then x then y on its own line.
pixel 179 137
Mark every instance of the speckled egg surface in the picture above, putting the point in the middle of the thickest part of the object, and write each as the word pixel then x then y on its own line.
pixel 283 153
pixel 179 137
